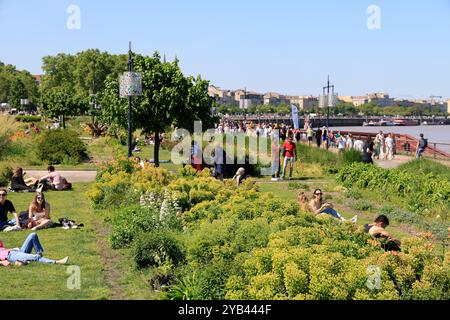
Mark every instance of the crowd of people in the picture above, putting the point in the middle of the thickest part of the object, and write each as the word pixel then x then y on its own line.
pixel 382 147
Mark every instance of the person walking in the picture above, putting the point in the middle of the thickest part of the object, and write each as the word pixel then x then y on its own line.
pixel 318 137
pixel 421 147
pixel 276 151
pixel 310 134
pixel 341 143
pixel 290 153
pixel 368 151
pixel 389 147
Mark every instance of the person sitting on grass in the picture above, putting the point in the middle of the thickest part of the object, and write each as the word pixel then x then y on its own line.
pixel 5 207
pixel 19 184
pixel 54 181
pixel 39 213
pixel 320 207
pixel 303 203
pixel 239 176
pixel 24 256
pixel 378 231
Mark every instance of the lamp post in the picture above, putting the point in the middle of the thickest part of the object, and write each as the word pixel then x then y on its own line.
pixel 328 101
pixel 130 85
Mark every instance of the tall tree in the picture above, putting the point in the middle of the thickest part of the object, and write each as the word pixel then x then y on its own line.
pixel 168 99
pixel 16 93
pixel 16 85
pixel 62 101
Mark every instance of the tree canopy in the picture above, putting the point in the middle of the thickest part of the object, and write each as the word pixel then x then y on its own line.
pixel 16 85
pixel 169 99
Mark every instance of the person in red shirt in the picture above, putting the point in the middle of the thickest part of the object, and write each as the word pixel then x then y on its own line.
pixel 289 153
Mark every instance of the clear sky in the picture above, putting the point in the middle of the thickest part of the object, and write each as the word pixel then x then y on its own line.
pixel 288 46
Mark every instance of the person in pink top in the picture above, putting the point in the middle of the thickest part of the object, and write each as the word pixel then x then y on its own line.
pixel 24 255
pixel 54 179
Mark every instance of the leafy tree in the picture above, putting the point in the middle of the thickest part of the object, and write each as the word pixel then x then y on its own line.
pixel 17 92
pixel 168 99
pixel 61 101
pixel 16 85
pixel 83 73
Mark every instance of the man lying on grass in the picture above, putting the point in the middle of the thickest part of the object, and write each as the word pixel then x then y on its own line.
pixel 23 255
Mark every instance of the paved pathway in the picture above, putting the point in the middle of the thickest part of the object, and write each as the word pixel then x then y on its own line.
pixel 71 176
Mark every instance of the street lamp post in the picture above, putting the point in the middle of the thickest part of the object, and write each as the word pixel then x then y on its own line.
pixel 130 85
pixel 130 125
pixel 328 87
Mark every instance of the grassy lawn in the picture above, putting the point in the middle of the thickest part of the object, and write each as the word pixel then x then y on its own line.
pixel 42 281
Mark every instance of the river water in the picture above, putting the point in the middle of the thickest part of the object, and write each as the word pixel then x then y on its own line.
pixel 434 134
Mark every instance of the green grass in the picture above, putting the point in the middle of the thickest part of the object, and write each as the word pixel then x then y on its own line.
pixel 425 166
pixel 43 281
pixel 314 155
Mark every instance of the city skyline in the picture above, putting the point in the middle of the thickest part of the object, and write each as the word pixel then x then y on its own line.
pixel 266 46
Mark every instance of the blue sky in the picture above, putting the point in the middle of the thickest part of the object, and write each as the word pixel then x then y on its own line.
pixel 285 46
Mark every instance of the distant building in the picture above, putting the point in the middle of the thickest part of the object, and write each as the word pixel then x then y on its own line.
pixel 448 106
pixel 345 99
pixel 304 102
pixel 250 99
pixel 380 99
pixel 275 99
pixel 223 97
pixel 403 103
pixel 360 100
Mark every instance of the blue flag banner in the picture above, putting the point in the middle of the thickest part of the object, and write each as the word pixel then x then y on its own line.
pixel 295 117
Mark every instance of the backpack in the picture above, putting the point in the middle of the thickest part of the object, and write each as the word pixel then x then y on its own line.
pixel 423 143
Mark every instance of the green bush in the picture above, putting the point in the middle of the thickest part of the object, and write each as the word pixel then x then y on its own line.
pixel 362 205
pixel 156 248
pixel 60 146
pixel 351 156
pixel 130 222
pixel 29 118
pixel 6 173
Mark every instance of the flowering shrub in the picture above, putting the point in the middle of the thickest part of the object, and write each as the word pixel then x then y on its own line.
pixel 238 243
pixel 123 164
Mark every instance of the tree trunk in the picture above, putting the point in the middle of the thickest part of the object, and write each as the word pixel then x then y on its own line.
pixel 64 121
pixel 156 153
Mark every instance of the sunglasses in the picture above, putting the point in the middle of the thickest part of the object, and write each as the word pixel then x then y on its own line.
pixel 3 194
pixel 319 194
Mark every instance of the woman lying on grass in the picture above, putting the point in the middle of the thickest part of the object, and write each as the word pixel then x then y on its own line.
pixel 23 255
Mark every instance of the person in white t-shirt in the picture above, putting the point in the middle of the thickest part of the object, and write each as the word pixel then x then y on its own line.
pixel 389 143
pixel 342 142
